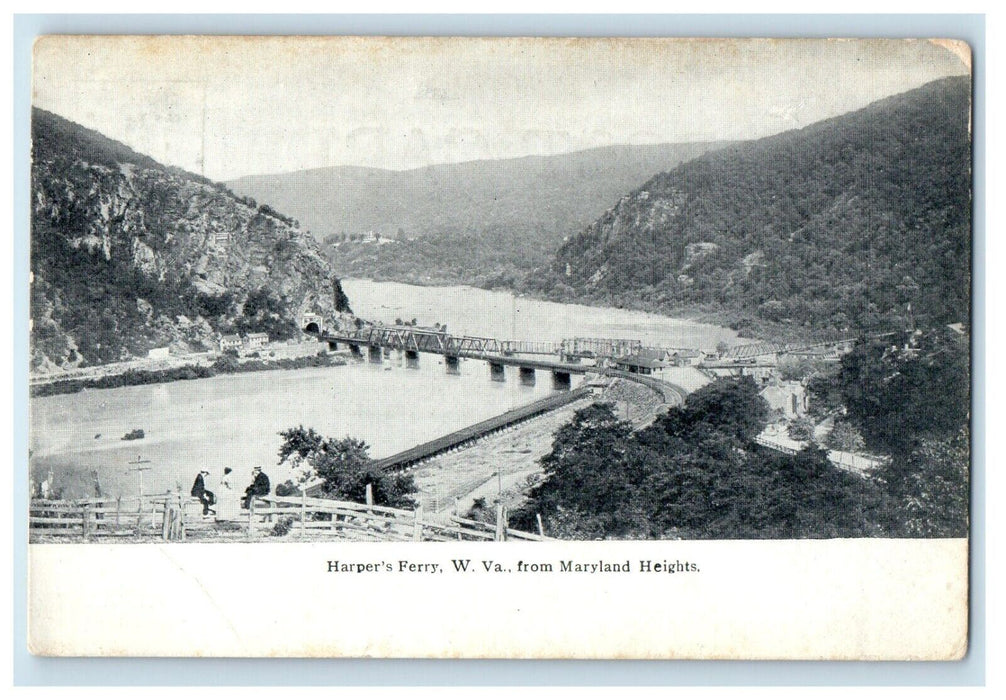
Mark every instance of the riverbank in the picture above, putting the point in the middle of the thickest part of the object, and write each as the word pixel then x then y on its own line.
pixel 225 364
pixel 508 462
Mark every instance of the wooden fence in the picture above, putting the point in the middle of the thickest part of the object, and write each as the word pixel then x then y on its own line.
pixel 163 515
pixel 174 517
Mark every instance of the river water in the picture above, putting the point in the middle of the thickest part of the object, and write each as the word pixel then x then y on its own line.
pixel 468 311
pixel 235 420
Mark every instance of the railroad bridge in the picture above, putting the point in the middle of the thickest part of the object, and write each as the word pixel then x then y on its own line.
pixel 528 356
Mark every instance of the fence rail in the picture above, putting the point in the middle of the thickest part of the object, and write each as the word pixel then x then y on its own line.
pixel 175 517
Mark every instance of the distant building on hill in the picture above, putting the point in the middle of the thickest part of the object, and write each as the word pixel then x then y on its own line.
pixel 159 353
pixel 230 342
pixel 256 340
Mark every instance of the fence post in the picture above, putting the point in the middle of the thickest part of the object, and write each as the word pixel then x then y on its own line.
pixel 370 494
pixel 139 517
pixel 86 527
pixel 118 507
pixel 500 535
pixel 251 514
pixel 166 521
pixel 417 527
pixel 181 517
pixel 303 512
pixel 541 528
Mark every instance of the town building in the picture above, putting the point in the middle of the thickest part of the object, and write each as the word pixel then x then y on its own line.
pixel 685 357
pixel 256 340
pixel 230 342
pixel 789 398
pixel 761 369
pixel 819 354
pixel 643 361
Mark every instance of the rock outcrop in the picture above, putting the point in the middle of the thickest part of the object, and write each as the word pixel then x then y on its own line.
pixel 128 255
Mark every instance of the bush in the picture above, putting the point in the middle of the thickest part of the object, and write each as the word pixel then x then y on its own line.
pixel 282 527
pixel 801 429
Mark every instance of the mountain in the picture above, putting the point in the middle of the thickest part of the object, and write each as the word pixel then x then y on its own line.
pixel 545 196
pixel 128 255
pixel 844 223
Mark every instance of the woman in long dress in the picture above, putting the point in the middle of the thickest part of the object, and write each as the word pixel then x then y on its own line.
pixel 228 505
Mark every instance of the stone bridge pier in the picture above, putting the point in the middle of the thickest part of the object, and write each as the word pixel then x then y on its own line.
pixel 354 350
pixel 561 380
pixel 452 364
pixel 375 354
pixel 333 346
pixel 412 359
pixel 497 371
pixel 527 377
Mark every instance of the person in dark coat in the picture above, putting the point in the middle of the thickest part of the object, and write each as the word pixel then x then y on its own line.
pixel 260 486
pixel 199 491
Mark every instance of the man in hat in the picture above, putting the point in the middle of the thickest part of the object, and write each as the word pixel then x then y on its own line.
pixel 199 491
pixel 260 486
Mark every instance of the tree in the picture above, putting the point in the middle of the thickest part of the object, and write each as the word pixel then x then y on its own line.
pixel 929 488
pixel 901 390
pixel 732 406
pixel 345 466
pixel 801 429
pixel 593 469
pixel 845 437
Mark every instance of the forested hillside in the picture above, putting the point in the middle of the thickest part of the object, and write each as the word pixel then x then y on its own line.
pixel 844 223
pixel 481 222
pixel 128 255
pixel 545 196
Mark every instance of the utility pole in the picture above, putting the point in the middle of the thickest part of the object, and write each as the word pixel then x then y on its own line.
pixel 139 470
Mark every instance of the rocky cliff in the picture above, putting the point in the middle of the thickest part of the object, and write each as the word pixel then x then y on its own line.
pixel 129 255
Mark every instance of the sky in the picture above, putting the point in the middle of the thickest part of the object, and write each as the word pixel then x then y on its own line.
pixel 228 107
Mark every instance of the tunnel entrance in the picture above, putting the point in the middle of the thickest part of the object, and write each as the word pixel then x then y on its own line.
pixel 312 327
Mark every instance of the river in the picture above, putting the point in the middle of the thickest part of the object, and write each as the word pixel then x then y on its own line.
pixel 469 311
pixel 235 420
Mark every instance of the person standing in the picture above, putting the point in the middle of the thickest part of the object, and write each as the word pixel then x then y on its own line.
pixel 260 486
pixel 199 491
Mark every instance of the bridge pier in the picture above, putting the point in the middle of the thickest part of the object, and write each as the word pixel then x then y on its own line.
pixel 527 376
pixel 375 353
pixel 354 350
pixel 333 346
pixel 497 372
pixel 561 380
pixel 452 364
pixel 412 359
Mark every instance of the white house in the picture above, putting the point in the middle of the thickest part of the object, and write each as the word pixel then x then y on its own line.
pixel 230 342
pixel 256 340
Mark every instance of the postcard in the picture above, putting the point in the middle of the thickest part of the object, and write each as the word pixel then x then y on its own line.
pixel 500 347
